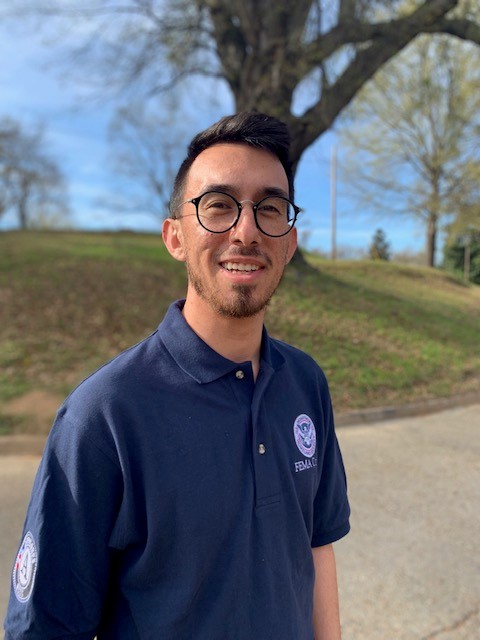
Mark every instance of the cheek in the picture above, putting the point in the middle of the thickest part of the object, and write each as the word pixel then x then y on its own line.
pixel 194 237
pixel 204 246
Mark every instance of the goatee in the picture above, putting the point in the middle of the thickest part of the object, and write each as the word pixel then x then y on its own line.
pixel 242 304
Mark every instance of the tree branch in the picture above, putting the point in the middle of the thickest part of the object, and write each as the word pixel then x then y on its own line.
pixel 463 29
pixel 386 40
pixel 307 128
pixel 229 39
pixel 191 71
pixel 352 31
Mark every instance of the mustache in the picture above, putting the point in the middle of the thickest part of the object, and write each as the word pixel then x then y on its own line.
pixel 245 252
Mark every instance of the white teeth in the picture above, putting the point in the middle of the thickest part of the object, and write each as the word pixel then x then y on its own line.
pixel 237 266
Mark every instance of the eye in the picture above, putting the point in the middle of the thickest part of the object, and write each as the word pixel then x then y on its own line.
pixel 273 207
pixel 269 208
pixel 217 202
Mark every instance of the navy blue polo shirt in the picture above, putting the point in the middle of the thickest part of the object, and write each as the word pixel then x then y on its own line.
pixel 178 499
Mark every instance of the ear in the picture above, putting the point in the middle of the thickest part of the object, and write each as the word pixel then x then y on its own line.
pixel 173 238
pixel 292 245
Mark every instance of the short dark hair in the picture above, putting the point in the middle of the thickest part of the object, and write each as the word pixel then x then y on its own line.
pixel 248 127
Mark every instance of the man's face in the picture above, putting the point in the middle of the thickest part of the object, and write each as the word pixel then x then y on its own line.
pixel 234 273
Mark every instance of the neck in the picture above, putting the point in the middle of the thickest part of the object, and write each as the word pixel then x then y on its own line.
pixel 238 339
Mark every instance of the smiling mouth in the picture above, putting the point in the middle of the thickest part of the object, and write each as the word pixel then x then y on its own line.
pixel 238 266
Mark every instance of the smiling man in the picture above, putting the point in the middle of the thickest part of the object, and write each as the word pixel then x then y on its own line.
pixel 191 489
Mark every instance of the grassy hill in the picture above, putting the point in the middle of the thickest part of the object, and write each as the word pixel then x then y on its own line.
pixel 383 333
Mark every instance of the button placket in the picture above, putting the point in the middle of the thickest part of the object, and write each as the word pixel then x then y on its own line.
pixel 266 479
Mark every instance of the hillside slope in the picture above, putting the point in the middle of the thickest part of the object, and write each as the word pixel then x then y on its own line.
pixel 383 333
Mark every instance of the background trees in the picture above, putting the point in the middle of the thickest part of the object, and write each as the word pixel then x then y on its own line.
pixel 146 148
pixel 31 183
pixel 303 61
pixel 462 255
pixel 268 53
pixel 413 145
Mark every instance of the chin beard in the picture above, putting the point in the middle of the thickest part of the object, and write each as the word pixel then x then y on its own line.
pixel 241 305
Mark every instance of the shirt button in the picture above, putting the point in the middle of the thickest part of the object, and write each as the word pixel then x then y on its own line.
pixel 240 375
pixel 261 449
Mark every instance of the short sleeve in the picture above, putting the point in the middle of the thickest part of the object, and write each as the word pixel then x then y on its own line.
pixel 61 572
pixel 331 507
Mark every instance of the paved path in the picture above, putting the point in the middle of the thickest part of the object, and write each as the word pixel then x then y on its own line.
pixel 410 568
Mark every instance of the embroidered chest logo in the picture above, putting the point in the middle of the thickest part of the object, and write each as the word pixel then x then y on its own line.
pixel 305 435
pixel 306 441
pixel 24 569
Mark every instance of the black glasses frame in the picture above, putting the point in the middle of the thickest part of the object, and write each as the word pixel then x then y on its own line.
pixel 239 204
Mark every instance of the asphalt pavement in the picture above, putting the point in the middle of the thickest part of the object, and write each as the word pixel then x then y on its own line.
pixel 410 567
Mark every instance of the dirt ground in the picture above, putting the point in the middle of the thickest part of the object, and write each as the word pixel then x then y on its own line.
pixel 37 409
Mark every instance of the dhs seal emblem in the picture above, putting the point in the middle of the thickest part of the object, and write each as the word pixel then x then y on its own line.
pixel 305 435
pixel 24 569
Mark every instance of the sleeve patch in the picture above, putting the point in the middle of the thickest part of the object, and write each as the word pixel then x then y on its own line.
pixel 25 569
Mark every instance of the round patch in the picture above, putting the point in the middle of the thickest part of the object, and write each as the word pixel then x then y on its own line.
pixel 305 435
pixel 25 568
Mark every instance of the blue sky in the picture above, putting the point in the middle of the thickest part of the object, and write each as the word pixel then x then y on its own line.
pixel 76 132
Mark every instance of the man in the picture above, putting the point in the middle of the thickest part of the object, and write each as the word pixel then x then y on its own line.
pixel 193 486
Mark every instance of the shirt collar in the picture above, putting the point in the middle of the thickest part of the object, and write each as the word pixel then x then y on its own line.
pixel 196 358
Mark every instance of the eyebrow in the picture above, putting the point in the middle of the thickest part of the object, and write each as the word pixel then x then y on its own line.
pixel 231 189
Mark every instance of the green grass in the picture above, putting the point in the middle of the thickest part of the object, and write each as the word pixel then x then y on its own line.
pixel 383 333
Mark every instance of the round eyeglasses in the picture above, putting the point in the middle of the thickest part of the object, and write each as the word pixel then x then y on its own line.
pixel 219 212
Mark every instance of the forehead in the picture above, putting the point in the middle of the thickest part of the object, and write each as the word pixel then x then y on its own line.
pixel 246 170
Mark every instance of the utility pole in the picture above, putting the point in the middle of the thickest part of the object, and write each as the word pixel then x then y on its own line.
pixel 333 201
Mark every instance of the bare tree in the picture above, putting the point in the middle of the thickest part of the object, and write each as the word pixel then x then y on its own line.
pixel 146 147
pixel 31 183
pixel 412 145
pixel 265 51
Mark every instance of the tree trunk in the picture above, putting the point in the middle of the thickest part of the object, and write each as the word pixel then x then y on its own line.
pixel 22 212
pixel 431 239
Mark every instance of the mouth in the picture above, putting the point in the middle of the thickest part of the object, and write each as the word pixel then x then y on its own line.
pixel 240 266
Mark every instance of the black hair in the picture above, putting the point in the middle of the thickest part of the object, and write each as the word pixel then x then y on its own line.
pixel 248 127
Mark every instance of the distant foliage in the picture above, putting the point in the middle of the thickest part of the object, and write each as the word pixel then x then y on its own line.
pixel 411 138
pixel 456 256
pixel 380 247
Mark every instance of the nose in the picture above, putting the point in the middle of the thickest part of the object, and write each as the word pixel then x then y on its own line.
pixel 246 231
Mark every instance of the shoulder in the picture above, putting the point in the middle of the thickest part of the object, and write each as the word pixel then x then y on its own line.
pixel 123 371
pixel 104 401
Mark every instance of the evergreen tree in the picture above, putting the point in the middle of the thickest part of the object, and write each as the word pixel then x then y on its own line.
pixel 380 248
pixel 463 256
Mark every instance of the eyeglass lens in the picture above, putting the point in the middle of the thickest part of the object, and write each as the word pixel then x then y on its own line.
pixel 218 212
